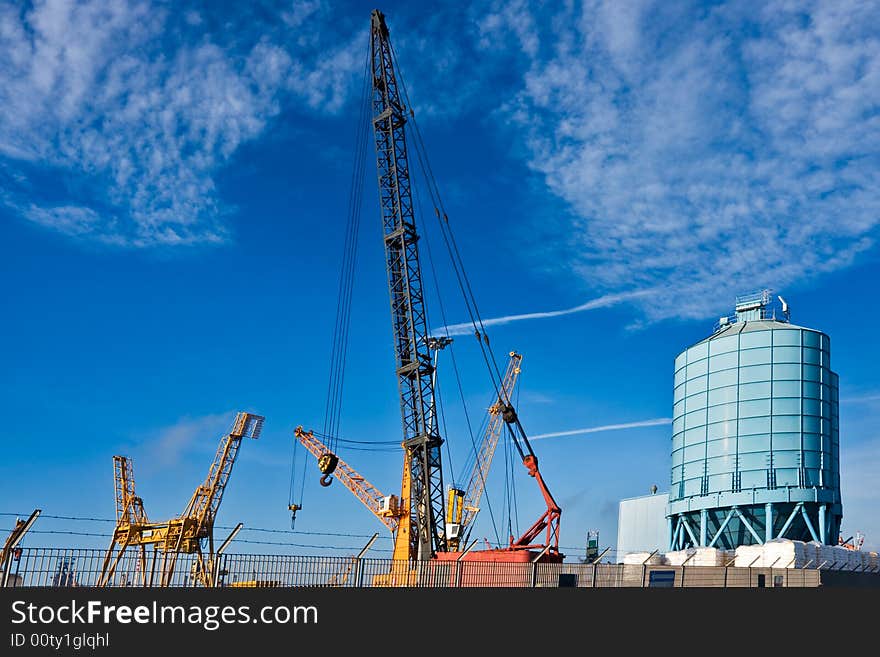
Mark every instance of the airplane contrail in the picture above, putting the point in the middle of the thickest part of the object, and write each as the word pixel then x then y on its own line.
pixel 607 427
pixel 600 302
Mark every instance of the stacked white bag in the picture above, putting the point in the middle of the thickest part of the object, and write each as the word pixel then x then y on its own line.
pixel 678 557
pixel 639 558
pixel 701 556
pixel 813 551
pixel 785 553
pixel 749 555
pixel 827 556
pixel 708 556
pixel 776 553
pixel 851 560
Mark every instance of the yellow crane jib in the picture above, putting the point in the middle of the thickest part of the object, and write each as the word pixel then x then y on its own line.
pixel 392 511
pixel 184 533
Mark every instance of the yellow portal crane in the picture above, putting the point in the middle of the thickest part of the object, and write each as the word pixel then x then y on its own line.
pixel 183 534
pixel 463 504
pixel 132 525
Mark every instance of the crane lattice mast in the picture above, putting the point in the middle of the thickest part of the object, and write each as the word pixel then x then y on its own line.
pixel 413 360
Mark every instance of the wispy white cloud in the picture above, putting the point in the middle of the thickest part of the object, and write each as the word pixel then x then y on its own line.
pixel 713 151
pixel 605 427
pixel 132 110
pixel 593 304
pixel 70 220
pixel 167 446
pixel 507 17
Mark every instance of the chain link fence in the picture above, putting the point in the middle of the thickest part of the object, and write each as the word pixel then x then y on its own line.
pixel 51 567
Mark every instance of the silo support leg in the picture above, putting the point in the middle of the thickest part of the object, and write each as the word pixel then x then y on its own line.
pixel 768 522
pixel 823 526
pixel 721 528
pixel 790 519
pixel 809 524
pixel 704 520
pixel 687 527
pixel 748 526
pixel 679 530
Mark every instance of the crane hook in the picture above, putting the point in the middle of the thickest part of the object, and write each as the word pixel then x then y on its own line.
pixel 326 480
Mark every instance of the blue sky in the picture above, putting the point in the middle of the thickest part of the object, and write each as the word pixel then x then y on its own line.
pixel 174 181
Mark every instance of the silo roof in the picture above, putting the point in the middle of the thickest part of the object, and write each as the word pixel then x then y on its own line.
pixel 746 326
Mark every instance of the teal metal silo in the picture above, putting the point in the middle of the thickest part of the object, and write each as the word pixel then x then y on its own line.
pixel 755 444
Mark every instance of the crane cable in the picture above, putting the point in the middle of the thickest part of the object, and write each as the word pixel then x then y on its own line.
pixel 521 440
pixel 450 344
pixel 339 342
pixel 460 273
pixel 333 406
pixel 469 464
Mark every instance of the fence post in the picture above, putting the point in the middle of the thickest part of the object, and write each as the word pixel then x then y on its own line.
pixel 358 572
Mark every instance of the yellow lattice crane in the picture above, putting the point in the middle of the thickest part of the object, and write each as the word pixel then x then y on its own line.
pixel 7 552
pixel 391 510
pixel 463 504
pixel 394 511
pixel 183 534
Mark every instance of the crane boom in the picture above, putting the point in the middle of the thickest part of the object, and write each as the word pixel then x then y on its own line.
pixel 412 358
pixel 376 501
pixel 391 510
pixel 206 499
pixel 129 507
pixel 465 503
pixel 549 520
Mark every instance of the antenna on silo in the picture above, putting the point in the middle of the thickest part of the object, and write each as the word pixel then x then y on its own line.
pixel 786 312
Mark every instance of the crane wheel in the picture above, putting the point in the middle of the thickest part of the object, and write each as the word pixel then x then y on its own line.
pixel 326 480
